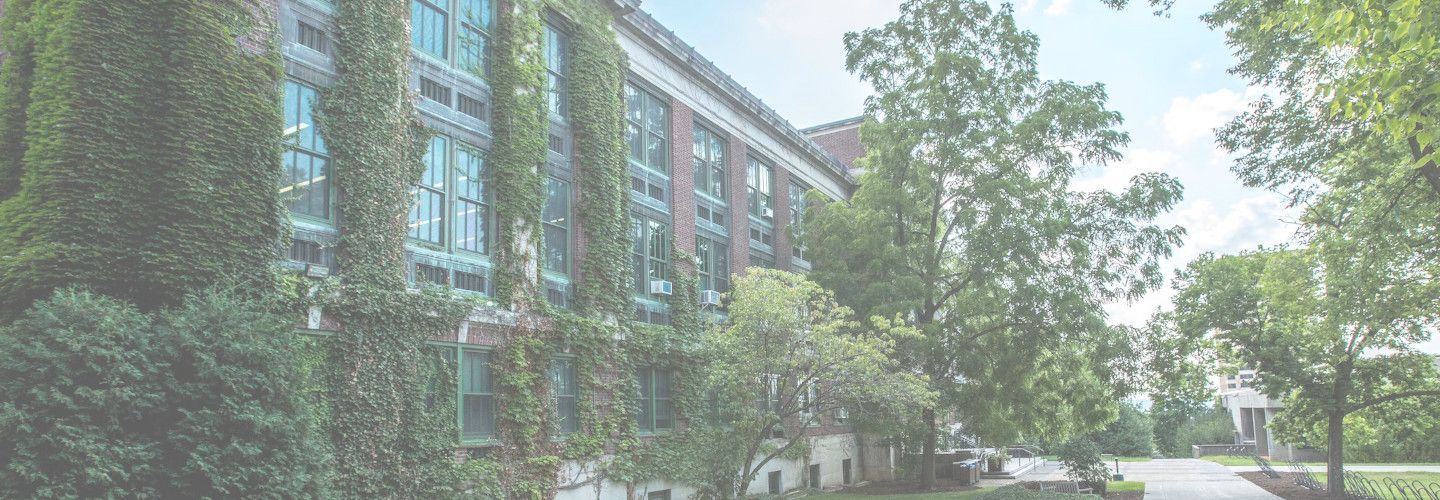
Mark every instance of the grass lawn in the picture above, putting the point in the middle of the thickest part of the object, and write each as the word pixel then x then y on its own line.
pixel 1125 486
pixel 1379 477
pixel 1246 461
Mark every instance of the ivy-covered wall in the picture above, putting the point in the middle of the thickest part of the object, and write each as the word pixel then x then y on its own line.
pixel 144 137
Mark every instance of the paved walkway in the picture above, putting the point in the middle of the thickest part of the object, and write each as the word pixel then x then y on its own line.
pixel 1360 467
pixel 1171 479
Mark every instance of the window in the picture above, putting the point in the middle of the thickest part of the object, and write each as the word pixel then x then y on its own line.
pixel 647 129
pixel 477 403
pixel 710 215
pixel 307 163
pixel 776 486
pixel 656 413
pixel 650 254
pixel 760 261
pixel 845 471
pixel 312 37
pixel 710 178
pixel 430 27
pixel 647 132
pixel 769 397
pixel 758 178
pixel 714 264
pixel 797 218
pixel 841 414
pixel 563 395
pixel 476 18
pixel 472 203
pixel 809 400
pixel 470 282
pixel 432 90
pixel 763 235
pixel 556 243
pixel 427 214
pixel 433 275
pixel 471 106
pixel 557 68
pixel 814 476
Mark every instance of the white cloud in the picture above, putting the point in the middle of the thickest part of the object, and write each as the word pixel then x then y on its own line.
pixel 1026 6
pixel 1198 117
pixel 1116 176
pixel 1057 7
pixel 1196 66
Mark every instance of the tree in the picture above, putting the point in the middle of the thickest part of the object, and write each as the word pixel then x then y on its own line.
pixel 1329 328
pixel 1129 435
pixel 964 225
pixel 788 356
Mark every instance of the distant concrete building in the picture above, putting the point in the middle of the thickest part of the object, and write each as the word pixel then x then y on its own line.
pixel 1251 412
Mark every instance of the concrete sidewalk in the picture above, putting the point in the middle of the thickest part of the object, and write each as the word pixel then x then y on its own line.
pixel 1360 468
pixel 1169 479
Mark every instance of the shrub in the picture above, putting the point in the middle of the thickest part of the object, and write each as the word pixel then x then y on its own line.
pixel 1083 463
pixel 1130 435
pixel 203 400
pixel 1210 426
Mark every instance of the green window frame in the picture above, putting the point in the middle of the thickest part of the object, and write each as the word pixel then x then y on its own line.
pixel 427 210
pixel 557 71
pixel 650 254
pixel 307 190
pixel 477 397
pixel 714 264
pixel 430 27
pixel 472 200
pixel 710 176
pixel 759 179
pixel 556 242
pixel 477 19
pixel 564 396
pixel 657 412
pixel 647 129
pixel 797 219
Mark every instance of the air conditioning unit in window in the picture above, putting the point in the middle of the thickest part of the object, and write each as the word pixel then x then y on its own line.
pixel 767 213
pixel 316 271
pixel 709 298
pixel 661 287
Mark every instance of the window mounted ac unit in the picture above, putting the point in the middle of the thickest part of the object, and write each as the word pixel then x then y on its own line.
pixel 767 213
pixel 709 298
pixel 316 271
pixel 661 287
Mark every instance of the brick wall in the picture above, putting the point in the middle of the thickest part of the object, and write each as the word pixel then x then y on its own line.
pixel 782 218
pixel 739 209
pixel 682 176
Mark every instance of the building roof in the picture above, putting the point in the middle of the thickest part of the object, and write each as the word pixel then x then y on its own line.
pixel 676 48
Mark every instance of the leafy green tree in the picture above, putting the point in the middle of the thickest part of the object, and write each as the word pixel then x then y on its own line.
pixel 965 227
pixel 1207 426
pixel 1083 463
pixel 1130 435
pixel 788 356
pixel 1329 328
pixel 203 400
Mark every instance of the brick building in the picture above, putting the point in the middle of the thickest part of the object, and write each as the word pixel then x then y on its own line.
pixel 713 171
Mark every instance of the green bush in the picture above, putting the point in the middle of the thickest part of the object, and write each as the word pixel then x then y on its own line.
pixel 203 400
pixel 1128 436
pixel 1209 426
pixel 1083 463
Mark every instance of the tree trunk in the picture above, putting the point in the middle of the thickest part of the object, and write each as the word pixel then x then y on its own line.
pixel 927 452
pixel 1335 456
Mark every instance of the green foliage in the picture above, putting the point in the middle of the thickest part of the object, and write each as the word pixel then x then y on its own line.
pixel 1083 463
pixel 150 126
pixel 785 327
pixel 1175 436
pixel 964 222
pixel 202 400
pixel 1018 492
pixel 1130 435
pixel 520 119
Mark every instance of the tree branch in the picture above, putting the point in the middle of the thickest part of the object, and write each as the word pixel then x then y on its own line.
pixel 1385 399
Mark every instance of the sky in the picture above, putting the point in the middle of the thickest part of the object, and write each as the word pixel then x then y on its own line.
pixel 1166 75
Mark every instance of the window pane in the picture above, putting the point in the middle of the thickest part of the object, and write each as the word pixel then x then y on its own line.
pixel 478 403
pixel 306 189
pixel 556 216
pixel 429 27
pixel 555 251
pixel 657 153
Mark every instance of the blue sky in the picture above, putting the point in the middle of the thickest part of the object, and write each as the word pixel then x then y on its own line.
pixel 1166 75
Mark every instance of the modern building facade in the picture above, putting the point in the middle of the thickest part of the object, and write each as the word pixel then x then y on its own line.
pixel 714 172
